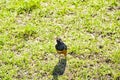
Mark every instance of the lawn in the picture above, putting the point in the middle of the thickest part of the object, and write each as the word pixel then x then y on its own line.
pixel 90 29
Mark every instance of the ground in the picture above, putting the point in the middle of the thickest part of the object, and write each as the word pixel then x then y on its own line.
pixel 90 29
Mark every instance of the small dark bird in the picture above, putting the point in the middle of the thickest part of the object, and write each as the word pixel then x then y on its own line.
pixel 61 47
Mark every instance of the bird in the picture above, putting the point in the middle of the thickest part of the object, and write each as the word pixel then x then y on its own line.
pixel 61 47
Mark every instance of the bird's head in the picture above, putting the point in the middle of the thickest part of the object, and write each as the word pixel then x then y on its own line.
pixel 59 40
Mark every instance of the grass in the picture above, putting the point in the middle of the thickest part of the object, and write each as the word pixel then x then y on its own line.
pixel 90 28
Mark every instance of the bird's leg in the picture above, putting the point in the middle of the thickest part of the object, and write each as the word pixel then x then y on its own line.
pixel 60 56
pixel 65 56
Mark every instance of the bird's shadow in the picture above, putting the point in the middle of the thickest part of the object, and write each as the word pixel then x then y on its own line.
pixel 59 69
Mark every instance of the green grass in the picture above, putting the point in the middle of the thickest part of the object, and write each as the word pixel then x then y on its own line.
pixel 90 28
